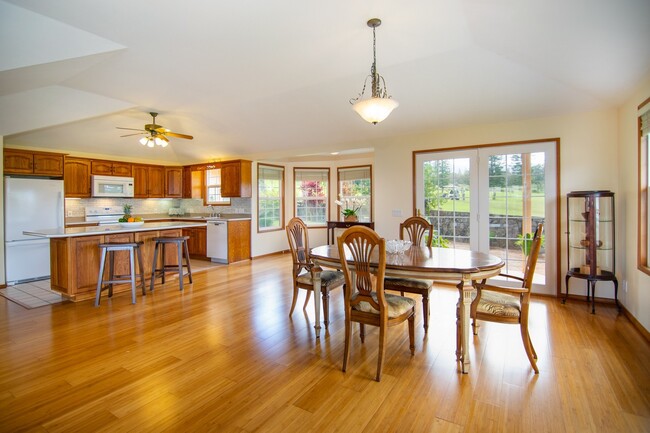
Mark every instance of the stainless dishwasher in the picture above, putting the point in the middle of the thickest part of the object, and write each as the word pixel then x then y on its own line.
pixel 217 234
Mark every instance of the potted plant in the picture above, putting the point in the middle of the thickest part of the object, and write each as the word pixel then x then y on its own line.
pixel 525 241
pixel 350 209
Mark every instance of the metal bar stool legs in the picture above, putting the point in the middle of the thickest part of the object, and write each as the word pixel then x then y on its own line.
pixel 110 248
pixel 181 244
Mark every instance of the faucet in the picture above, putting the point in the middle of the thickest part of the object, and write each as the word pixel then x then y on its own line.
pixel 211 210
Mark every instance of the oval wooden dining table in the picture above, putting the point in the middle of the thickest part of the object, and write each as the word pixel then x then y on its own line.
pixel 429 263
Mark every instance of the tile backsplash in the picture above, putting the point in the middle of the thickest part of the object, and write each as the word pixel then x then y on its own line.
pixel 77 207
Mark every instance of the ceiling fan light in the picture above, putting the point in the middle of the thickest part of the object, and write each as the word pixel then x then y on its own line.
pixel 374 110
pixel 160 142
pixel 150 143
pixel 143 141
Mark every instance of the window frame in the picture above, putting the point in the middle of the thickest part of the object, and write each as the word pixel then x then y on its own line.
pixel 206 187
pixel 281 197
pixel 326 198
pixel 338 187
pixel 643 220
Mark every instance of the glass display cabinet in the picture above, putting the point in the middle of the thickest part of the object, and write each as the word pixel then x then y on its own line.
pixel 591 240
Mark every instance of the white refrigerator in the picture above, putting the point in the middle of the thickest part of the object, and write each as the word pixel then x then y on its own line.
pixel 30 204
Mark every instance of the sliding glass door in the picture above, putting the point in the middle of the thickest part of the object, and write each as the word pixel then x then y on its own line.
pixel 491 199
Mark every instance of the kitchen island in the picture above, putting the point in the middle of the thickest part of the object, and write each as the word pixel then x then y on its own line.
pixel 75 255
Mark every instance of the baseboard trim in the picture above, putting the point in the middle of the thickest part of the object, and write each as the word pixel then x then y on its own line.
pixel 639 327
pixel 270 254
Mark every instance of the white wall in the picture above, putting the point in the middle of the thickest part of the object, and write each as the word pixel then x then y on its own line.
pixel 588 160
pixel 637 296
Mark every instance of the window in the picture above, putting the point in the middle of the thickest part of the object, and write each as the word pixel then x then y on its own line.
pixel 213 188
pixel 311 195
pixel 270 197
pixel 644 190
pixel 355 188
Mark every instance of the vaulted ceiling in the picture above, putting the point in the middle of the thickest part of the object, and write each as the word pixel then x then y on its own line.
pixel 272 79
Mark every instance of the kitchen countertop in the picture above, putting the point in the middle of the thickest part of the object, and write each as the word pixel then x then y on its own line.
pixel 111 229
pixel 72 221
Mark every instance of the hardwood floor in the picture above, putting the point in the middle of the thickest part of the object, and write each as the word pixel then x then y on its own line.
pixel 224 356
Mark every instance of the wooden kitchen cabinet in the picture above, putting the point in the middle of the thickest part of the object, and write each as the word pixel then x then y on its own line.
pixel 111 168
pixel 74 261
pixel 192 182
pixel 76 177
pixel 33 163
pixel 236 180
pixel 197 243
pixel 149 181
pixel 239 241
pixel 174 182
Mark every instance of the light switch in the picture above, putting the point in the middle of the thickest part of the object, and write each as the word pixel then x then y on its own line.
pixel 397 212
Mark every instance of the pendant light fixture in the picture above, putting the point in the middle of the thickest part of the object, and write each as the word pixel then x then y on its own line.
pixel 379 105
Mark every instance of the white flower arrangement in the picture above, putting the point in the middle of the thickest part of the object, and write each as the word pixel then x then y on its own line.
pixel 350 207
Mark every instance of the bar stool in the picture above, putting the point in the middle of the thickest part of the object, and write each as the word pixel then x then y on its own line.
pixel 181 244
pixel 111 248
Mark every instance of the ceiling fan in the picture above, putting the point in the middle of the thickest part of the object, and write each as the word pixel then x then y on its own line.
pixel 155 134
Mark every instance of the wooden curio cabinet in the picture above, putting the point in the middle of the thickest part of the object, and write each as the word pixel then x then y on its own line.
pixel 591 240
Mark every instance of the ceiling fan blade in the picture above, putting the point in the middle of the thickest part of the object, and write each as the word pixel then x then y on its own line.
pixel 137 133
pixel 177 135
pixel 129 129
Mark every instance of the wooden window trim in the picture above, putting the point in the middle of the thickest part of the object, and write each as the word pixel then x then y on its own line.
pixel 282 192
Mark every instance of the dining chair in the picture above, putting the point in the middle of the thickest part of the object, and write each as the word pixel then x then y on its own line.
pixel 510 304
pixel 298 237
pixel 365 300
pixel 419 231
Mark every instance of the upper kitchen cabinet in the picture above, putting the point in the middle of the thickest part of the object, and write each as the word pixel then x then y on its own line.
pixel 76 177
pixel 174 182
pixel 236 178
pixel 111 168
pixel 192 182
pixel 149 181
pixel 33 163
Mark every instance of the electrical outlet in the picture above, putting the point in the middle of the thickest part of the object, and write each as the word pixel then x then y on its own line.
pixel 70 213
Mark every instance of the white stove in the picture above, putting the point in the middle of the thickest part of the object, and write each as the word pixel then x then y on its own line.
pixel 104 214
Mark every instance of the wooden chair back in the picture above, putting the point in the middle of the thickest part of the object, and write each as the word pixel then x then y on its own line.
pixel 418 229
pixel 531 263
pixel 298 238
pixel 362 244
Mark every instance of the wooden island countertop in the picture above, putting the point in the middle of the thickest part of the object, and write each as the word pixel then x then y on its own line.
pixel 112 229
pixel 75 255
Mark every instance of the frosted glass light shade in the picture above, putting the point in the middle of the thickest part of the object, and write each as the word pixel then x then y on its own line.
pixel 143 141
pixel 374 110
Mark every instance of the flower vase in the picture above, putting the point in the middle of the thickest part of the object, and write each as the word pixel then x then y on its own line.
pixel 351 219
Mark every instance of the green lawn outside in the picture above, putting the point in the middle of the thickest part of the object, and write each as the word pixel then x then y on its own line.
pixel 498 204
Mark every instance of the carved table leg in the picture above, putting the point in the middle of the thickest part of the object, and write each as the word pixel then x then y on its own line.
pixel 464 302
pixel 315 275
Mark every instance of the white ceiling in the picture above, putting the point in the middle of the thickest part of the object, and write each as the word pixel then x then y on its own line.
pixel 272 79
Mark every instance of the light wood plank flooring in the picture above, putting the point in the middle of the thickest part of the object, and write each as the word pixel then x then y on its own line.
pixel 223 356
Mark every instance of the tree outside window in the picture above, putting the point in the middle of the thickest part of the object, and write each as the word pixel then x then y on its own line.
pixel 270 197
pixel 311 195
pixel 355 186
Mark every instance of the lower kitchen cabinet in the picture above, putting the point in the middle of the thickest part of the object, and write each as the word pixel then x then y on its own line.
pixel 239 241
pixel 197 243
pixel 74 261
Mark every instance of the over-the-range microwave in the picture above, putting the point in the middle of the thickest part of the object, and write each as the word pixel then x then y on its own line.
pixel 112 186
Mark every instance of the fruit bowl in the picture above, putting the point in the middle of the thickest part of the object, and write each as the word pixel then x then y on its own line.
pixel 133 224
pixel 397 246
